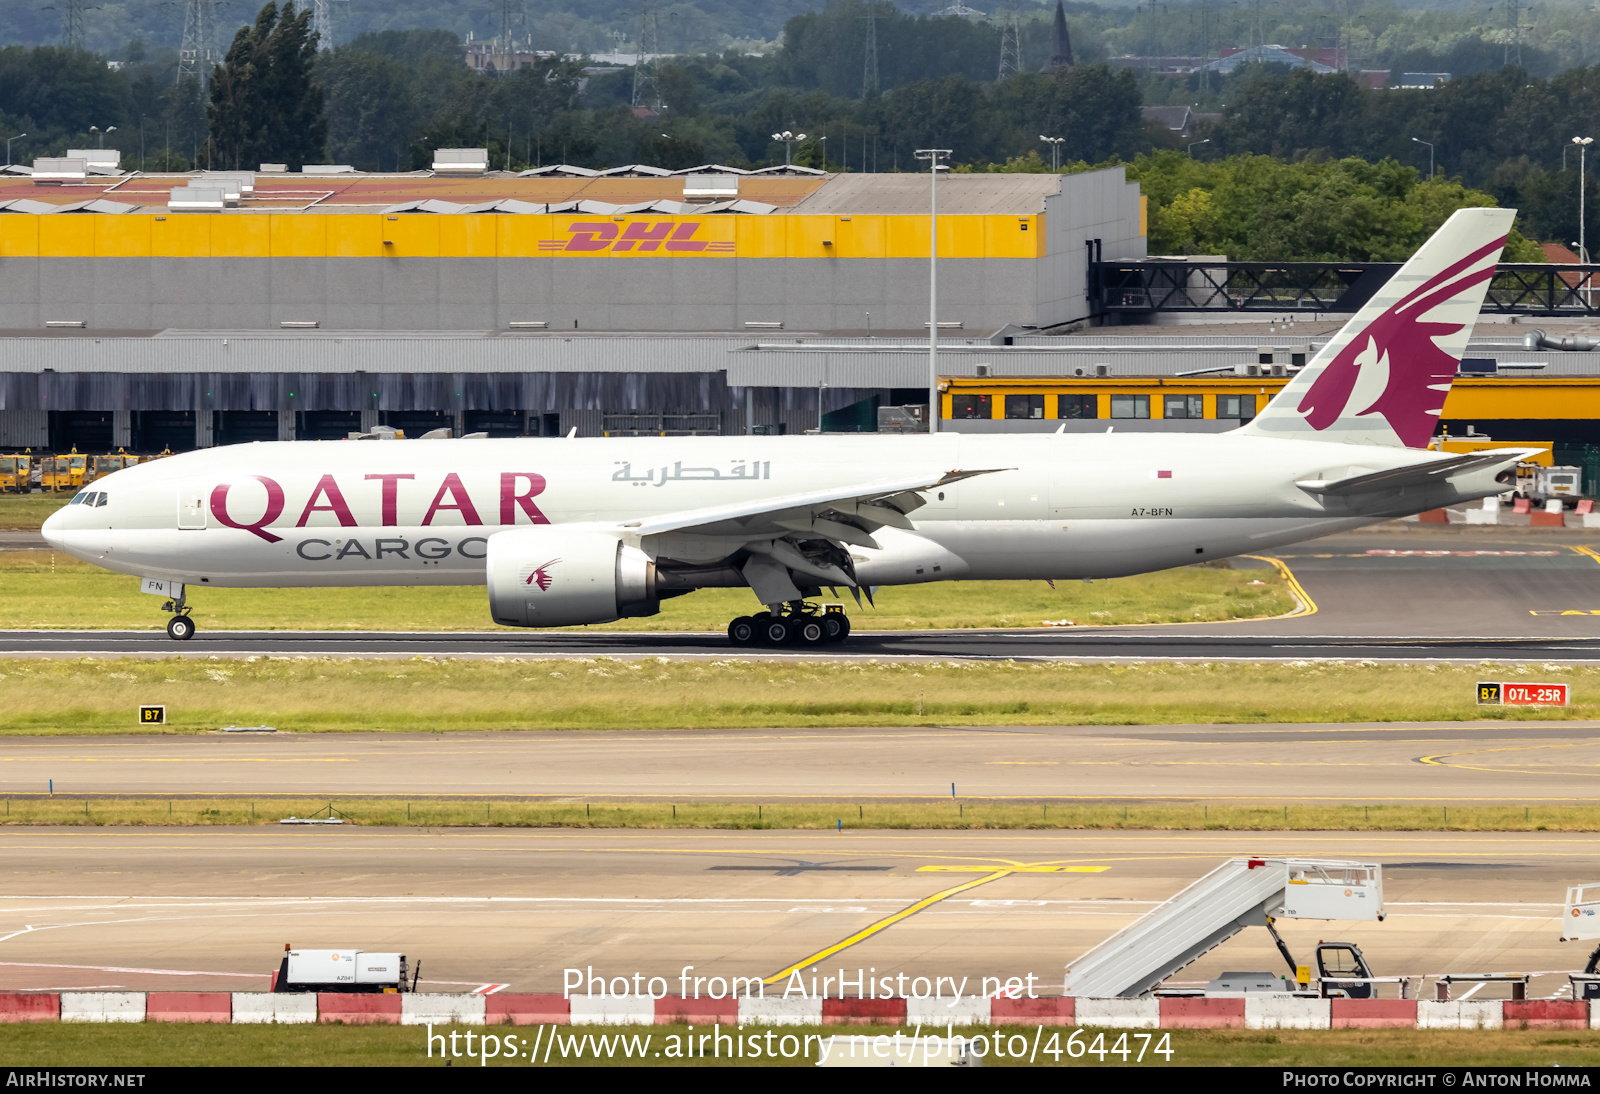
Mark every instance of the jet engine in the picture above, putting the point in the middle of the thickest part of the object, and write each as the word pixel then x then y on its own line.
pixel 555 576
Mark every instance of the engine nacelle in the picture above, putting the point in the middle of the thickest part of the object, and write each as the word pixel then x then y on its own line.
pixel 552 576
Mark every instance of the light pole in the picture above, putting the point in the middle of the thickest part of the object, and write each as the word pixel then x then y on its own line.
pixel 102 132
pixel 1419 140
pixel 1194 144
pixel 18 137
pixel 823 140
pixel 787 139
pixel 1583 144
pixel 933 156
pixel 1055 144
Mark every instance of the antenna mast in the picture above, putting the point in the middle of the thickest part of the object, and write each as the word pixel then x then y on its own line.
pixel 645 92
pixel 1010 39
pixel 195 59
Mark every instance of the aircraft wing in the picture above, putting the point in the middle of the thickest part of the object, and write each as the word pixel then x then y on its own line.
pixel 873 504
pixel 1417 474
pixel 796 540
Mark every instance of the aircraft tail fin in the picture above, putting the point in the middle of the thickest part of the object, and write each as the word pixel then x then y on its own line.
pixel 1384 377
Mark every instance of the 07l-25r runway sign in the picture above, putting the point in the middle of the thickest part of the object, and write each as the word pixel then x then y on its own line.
pixel 1524 695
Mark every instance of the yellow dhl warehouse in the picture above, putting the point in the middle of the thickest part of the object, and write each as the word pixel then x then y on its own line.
pixel 844 252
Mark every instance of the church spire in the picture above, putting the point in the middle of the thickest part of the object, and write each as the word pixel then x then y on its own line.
pixel 1060 43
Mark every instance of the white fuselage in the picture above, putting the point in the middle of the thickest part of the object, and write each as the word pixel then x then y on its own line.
pixel 373 513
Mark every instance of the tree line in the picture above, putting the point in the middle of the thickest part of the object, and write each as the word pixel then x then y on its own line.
pixel 1296 165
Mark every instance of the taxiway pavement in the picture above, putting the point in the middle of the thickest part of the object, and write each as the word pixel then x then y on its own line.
pixel 1498 762
pixel 211 909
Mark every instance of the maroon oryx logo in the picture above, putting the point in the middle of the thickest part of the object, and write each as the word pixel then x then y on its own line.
pixel 541 577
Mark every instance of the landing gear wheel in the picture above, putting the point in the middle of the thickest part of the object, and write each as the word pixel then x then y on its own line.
pixel 837 626
pixel 742 631
pixel 809 630
pixel 180 628
pixel 774 630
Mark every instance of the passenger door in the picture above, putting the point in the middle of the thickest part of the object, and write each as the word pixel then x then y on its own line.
pixel 191 506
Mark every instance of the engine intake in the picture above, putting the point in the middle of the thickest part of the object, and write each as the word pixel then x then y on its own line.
pixel 559 577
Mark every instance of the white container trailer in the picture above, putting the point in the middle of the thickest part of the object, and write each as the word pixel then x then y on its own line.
pixel 348 970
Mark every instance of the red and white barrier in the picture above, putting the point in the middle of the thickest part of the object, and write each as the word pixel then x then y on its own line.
pixel 268 1008
pixel 359 1010
pixel 1250 1011
pixel 526 1009
pixel 102 1006
pixel 188 1006
pixel 443 1009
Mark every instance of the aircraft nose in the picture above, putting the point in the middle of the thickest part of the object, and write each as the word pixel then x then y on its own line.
pixel 53 529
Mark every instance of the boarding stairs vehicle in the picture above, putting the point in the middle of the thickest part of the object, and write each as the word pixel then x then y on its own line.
pixel 349 971
pixel 1242 892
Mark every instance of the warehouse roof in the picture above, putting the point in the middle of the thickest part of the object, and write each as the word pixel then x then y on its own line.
pixel 552 191
pixel 869 195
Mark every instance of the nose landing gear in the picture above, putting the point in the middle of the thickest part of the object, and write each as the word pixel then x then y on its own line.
pixel 799 624
pixel 181 627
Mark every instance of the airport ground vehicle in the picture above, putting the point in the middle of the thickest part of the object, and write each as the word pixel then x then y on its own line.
pixel 60 473
pixel 105 465
pixel 15 472
pixel 1544 483
pixel 348 971
pixel 1242 892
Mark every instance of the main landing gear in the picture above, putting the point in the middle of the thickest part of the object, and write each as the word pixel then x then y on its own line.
pixel 181 627
pixel 799 624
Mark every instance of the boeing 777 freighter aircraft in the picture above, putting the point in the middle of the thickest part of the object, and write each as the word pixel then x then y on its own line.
pixel 570 532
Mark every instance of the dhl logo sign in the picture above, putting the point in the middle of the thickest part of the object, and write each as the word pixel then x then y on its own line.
pixel 638 237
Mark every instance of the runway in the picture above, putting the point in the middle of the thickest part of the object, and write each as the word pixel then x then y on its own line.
pixel 1436 595
pixel 212 909
pixel 1490 762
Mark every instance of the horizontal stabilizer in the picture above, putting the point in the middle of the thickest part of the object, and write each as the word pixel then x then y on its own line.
pixel 1415 475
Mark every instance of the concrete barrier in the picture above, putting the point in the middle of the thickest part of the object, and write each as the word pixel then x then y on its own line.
pixel 438 1008
pixel 1268 1010
pixel 359 1010
pixel 593 1010
pixel 1374 1013
pixel 881 1011
pixel 264 1008
pixel 697 1012
pixel 778 1011
pixel 102 1006
pixel 19 1006
pixel 526 1009
pixel 1049 1010
pixel 939 1012
pixel 1116 1013
pixel 1545 1014
pixel 1456 1014
pixel 188 1006
pixel 1196 1013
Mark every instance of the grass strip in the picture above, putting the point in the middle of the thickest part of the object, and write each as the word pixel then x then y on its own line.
pixel 193 1045
pixel 320 695
pixel 45 589
pixel 961 814
pixel 28 512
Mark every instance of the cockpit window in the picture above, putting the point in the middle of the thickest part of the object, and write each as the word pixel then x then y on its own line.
pixel 79 499
pixel 98 498
pixel 92 498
